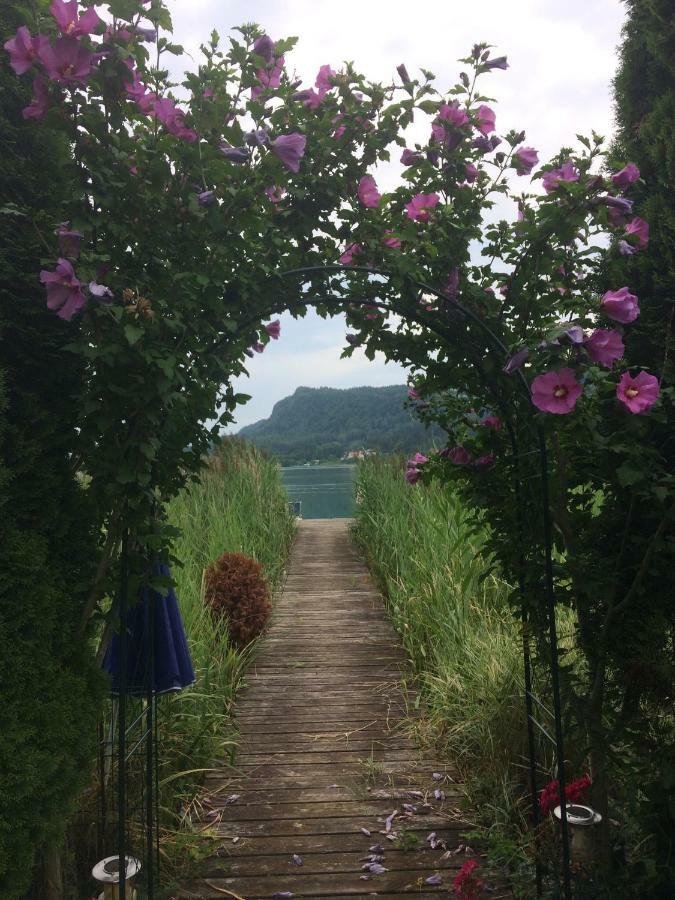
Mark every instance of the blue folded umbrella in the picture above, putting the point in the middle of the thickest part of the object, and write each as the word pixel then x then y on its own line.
pixel 170 662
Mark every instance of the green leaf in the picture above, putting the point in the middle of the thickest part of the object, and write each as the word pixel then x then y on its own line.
pixel 132 333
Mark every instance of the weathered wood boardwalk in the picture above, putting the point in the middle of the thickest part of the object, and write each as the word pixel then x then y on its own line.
pixel 325 759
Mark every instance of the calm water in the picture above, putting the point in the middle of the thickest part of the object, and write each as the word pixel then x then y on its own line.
pixel 326 492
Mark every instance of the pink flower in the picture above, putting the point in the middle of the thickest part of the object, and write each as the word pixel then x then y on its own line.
pixel 173 119
pixel 417 209
pixel 459 455
pixel 324 79
pixel 525 159
pixel 40 101
pixel 470 172
pixel 276 194
pixel 556 392
pixel 368 193
pixel 604 346
pixel 621 305
pixel 486 119
pixel 412 393
pixel 492 422
pixel 412 471
pixel 269 78
pixel 348 256
pixel 389 240
pixel 313 99
pixel 66 61
pixel 410 157
pixel 64 290
pixel 482 462
pixel 640 229
pixel 452 114
pixel 639 393
pixel 274 329
pixel 626 176
pixel 289 148
pixel 567 172
pixel 67 19
pixel 23 49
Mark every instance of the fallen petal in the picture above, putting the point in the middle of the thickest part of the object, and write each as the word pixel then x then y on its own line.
pixel 433 879
pixel 365 831
pixel 297 860
pixel 389 820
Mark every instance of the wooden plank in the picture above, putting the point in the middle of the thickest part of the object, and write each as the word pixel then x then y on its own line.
pixel 325 749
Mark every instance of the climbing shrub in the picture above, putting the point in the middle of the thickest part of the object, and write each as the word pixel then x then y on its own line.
pixel 235 589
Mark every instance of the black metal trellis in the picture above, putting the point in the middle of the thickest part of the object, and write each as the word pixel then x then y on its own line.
pixel 148 738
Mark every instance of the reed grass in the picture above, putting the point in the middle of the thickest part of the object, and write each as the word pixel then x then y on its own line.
pixel 450 607
pixel 239 505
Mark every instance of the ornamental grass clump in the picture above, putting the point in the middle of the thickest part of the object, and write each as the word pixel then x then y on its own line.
pixel 236 590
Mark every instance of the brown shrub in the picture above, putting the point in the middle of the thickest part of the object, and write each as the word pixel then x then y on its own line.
pixel 235 589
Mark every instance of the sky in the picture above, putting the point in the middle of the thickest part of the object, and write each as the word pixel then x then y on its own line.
pixel 562 57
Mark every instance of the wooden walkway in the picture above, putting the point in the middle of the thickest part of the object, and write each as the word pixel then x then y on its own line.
pixel 329 797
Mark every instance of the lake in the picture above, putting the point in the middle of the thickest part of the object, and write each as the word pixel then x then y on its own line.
pixel 325 492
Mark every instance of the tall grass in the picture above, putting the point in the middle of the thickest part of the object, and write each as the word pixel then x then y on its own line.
pixel 239 505
pixel 428 553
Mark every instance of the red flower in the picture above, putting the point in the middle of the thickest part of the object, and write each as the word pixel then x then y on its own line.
pixel 549 798
pixel 466 885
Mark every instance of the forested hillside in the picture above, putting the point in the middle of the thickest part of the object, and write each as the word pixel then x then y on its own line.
pixel 325 423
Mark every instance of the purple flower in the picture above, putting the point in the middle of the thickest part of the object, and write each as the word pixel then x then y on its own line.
pixel 264 47
pixel 235 154
pixel 525 159
pixel 23 49
pixel 566 172
pixel 626 249
pixel 486 144
pixel 556 392
pixel 621 305
pixel 391 241
pixel 499 62
pixel 64 290
pixel 470 172
pixel 69 241
pixel 575 335
pixel 274 329
pixel 403 73
pixel 458 456
pixel 410 157
pixel 353 339
pixel 149 35
pixel 638 228
pixel 515 362
pixel 621 204
pixel 412 393
pixel 275 193
pixel 626 176
pixel 417 208
pixel 101 292
pixel 640 393
pixel 40 101
pixel 206 198
pixel 289 148
pixel 368 193
pixel 66 61
pixel 257 138
pixel 67 19
pixel 258 347
pixel 486 119
pixel 453 115
pixel 412 475
pixel 604 346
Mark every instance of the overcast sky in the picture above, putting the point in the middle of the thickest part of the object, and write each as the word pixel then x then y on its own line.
pixel 562 57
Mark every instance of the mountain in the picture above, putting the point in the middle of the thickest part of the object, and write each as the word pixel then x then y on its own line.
pixel 325 423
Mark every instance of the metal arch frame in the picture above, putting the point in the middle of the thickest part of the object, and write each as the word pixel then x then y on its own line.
pixel 499 347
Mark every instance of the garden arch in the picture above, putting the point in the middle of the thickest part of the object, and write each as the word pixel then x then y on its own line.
pixel 329 287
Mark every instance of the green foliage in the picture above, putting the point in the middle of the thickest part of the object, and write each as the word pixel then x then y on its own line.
pixel 325 423
pixel 51 689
